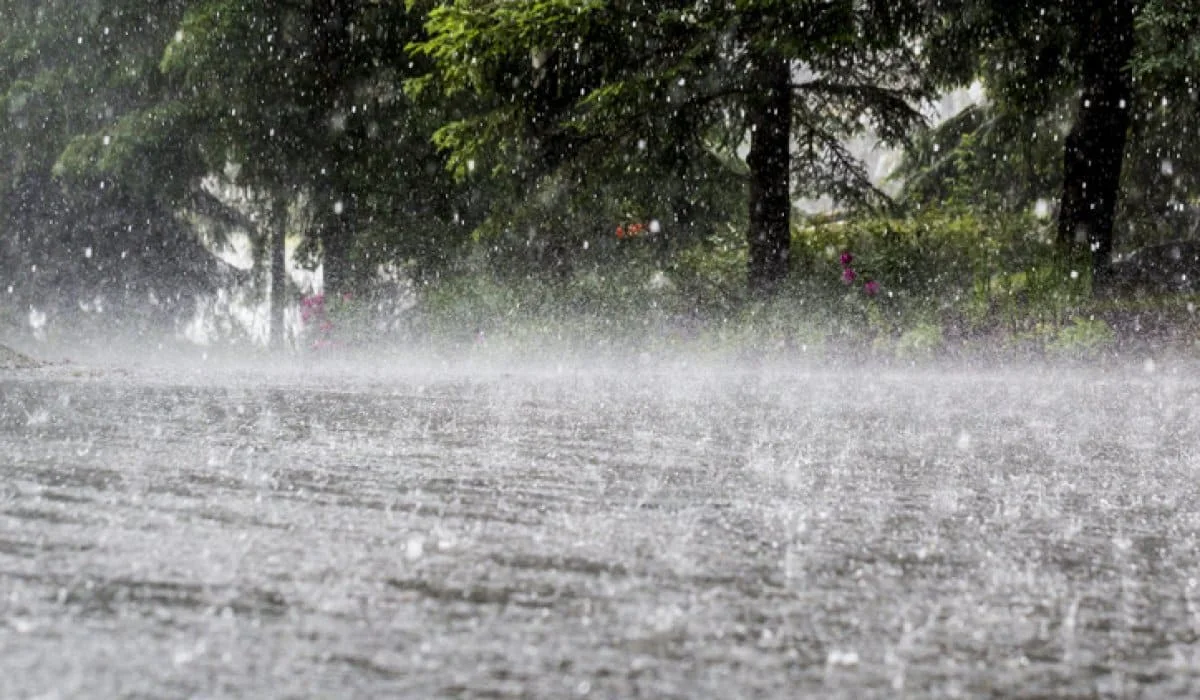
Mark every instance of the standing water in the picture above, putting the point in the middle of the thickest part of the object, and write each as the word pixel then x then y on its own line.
pixel 661 532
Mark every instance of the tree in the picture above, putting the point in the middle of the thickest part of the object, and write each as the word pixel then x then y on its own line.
pixel 1044 64
pixel 1165 169
pixel 304 97
pixel 101 243
pixel 564 82
pixel 1095 147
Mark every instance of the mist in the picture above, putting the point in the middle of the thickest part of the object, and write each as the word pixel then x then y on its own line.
pixel 558 349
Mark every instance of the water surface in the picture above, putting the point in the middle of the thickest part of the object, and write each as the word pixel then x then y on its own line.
pixel 691 531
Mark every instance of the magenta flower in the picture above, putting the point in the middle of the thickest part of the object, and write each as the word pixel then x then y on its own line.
pixel 848 275
pixel 871 288
pixel 846 259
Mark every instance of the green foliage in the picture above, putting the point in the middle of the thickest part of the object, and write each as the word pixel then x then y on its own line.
pixel 1008 152
pixel 77 237
pixel 489 150
pixel 952 259
pixel 947 281
pixel 1083 337
pixel 650 101
pixel 921 342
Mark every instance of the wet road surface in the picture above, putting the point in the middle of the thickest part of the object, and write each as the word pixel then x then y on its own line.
pixel 683 532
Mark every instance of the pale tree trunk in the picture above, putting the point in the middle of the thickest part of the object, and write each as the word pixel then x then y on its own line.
pixel 279 282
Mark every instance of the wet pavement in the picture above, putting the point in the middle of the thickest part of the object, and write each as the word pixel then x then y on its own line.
pixel 685 531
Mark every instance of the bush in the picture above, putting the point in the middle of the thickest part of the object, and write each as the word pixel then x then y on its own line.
pixel 969 272
pixel 911 288
pixel 921 342
pixel 1083 337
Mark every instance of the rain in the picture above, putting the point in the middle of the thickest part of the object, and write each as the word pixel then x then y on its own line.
pixel 590 349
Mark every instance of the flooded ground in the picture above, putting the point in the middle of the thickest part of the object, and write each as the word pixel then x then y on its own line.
pixel 658 533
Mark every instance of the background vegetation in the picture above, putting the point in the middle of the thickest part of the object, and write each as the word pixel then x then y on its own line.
pixel 605 172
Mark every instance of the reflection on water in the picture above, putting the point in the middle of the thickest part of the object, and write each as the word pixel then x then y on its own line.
pixel 636 533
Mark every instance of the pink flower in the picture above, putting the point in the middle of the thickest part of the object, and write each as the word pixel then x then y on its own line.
pixel 871 288
pixel 848 275
pixel 312 307
pixel 846 259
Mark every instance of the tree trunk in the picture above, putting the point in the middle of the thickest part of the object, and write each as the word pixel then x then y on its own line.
pixel 332 117
pixel 279 283
pixel 770 205
pixel 1095 146
pixel 335 233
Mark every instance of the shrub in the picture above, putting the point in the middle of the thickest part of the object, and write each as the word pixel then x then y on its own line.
pixel 1083 337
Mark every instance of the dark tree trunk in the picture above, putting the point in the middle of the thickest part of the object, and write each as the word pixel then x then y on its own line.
pixel 770 235
pixel 279 285
pixel 682 227
pixel 1095 146
pixel 335 232
pixel 332 118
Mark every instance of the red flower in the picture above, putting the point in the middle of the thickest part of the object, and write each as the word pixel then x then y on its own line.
pixel 846 258
pixel 848 275
pixel 871 288
pixel 631 231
